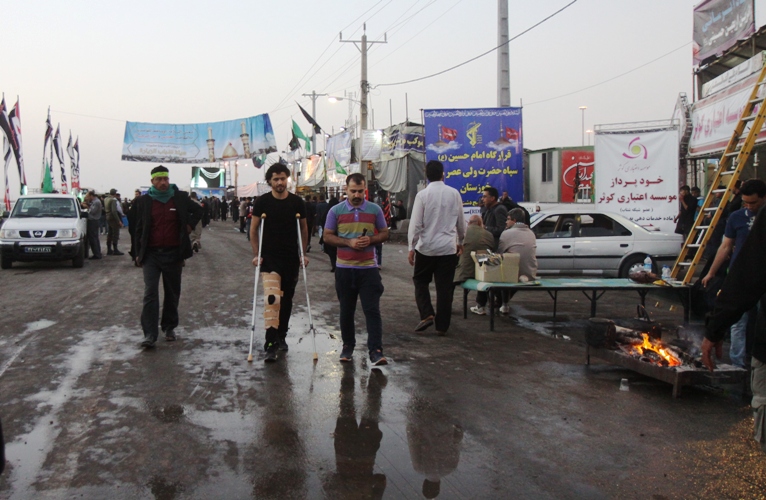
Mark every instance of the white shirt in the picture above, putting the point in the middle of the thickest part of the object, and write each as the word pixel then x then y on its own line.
pixel 437 224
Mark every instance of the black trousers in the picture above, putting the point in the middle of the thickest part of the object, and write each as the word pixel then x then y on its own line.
pixel 93 242
pixel 165 265
pixel 440 268
pixel 288 270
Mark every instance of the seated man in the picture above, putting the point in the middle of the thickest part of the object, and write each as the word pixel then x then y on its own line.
pixel 517 238
pixel 477 239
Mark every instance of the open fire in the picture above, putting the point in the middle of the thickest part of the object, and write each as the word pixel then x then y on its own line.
pixel 651 351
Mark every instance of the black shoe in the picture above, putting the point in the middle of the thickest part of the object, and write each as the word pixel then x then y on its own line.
pixel 170 336
pixel 109 252
pixel 117 252
pixel 94 258
pixel 347 354
pixel 282 344
pixel 147 344
pixel 271 355
pixel 377 358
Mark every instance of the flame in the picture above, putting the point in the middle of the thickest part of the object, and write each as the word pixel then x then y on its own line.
pixel 649 345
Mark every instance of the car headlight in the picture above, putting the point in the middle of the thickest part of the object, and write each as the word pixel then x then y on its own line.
pixel 67 233
pixel 9 233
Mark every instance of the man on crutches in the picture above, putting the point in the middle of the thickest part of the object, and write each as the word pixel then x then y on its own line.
pixel 280 255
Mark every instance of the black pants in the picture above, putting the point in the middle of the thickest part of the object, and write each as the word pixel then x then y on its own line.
pixel 366 286
pixel 288 272
pixel 93 242
pixel 165 265
pixel 442 269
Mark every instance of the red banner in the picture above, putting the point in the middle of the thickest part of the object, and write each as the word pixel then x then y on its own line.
pixel 574 164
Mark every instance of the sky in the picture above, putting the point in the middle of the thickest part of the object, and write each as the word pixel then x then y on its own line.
pixel 99 64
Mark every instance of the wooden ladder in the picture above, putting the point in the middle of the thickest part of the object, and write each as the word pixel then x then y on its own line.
pixel 733 160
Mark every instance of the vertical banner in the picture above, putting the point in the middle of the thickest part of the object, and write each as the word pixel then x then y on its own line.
pixel 14 120
pixel 7 159
pixel 339 152
pixel 199 143
pixel 576 173
pixel 479 148
pixel 372 141
pixel 637 176
pixel 59 149
pixel 72 166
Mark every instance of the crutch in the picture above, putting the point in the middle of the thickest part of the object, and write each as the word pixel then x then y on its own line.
pixel 306 284
pixel 255 285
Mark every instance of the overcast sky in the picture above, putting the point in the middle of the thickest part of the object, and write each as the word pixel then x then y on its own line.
pixel 98 64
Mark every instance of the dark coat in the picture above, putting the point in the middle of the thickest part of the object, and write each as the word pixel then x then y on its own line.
pixel 494 221
pixel 744 287
pixel 189 213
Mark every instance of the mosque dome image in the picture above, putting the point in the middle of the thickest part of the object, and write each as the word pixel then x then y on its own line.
pixel 229 153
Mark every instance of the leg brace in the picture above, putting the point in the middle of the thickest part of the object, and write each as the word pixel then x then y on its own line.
pixel 272 284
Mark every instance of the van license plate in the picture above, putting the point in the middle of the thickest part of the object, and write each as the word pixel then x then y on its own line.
pixel 37 249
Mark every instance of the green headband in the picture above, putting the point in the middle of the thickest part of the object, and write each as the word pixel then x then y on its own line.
pixel 160 174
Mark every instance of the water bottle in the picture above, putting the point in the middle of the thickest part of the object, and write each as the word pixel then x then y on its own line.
pixel 665 272
pixel 648 264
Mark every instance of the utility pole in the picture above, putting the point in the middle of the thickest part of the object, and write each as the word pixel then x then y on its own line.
pixel 313 96
pixel 503 58
pixel 362 47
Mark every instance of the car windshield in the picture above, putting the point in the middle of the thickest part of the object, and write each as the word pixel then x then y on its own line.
pixel 45 207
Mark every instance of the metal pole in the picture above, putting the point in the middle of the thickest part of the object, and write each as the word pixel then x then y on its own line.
pixel 583 108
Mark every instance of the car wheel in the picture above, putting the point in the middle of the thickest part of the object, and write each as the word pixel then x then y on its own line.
pixel 6 263
pixel 634 263
pixel 79 260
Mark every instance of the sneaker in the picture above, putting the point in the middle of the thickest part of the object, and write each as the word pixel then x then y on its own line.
pixel 282 344
pixel 170 336
pixel 147 344
pixel 271 354
pixel 377 358
pixel 347 354
pixel 480 310
pixel 505 309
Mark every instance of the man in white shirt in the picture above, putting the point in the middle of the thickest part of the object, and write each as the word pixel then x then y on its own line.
pixel 437 229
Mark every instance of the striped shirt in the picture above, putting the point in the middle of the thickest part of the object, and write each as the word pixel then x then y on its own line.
pixel 349 222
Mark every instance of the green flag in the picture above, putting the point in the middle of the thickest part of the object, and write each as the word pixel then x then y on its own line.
pixel 47 180
pixel 299 134
pixel 339 169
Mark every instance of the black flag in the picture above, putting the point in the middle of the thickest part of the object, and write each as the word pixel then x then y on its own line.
pixel 311 120
pixel 294 144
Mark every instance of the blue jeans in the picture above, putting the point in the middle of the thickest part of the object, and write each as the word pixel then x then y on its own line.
pixel 739 341
pixel 366 285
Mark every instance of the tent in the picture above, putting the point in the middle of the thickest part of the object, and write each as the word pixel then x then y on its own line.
pixel 402 168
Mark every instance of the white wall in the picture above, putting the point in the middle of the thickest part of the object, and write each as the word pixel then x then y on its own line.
pixel 539 191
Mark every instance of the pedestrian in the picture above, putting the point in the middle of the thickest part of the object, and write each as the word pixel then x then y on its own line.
pixel 687 206
pixel 322 209
pixel 349 227
pixel 400 213
pixel 494 215
pixel 518 238
pixel 103 226
pixel 477 239
pixel 737 229
pixel 224 209
pixel 243 203
pixel 436 232
pixel 311 213
pixel 234 207
pixel 95 210
pixel 165 216
pixel 280 254
pixel 114 221
pixel 196 235
pixel 744 289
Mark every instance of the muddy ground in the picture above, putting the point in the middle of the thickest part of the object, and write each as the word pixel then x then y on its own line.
pixel 512 413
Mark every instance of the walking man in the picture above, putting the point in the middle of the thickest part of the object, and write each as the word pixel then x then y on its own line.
pixel 280 255
pixel 94 219
pixel 350 226
pixel 165 216
pixel 114 223
pixel 437 229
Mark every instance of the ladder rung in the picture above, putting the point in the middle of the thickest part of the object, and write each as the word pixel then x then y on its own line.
pixel 749 118
pixel 694 245
pixel 727 172
pixel 756 100
pixel 684 263
pixel 733 153
pixel 711 209
pixel 719 190
pixel 702 227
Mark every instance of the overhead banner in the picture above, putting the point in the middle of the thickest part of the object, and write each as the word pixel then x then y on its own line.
pixel 714 118
pixel 719 24
pixel 339 152
pixel 576 173
pixel 637 176
pixel 402 139
pixel 245 138
pixel 479 148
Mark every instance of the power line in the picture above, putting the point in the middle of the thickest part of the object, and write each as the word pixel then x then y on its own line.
pixel 613 78
pixel 481 55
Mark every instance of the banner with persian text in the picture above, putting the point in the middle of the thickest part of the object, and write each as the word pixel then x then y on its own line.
pixel 576 175
pixel 402 139
pixel 637 176
pixel 479 148
pixel 339 152
pixel 719 25
pixel 245 138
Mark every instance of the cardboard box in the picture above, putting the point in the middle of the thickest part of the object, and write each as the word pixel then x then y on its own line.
pixel 506 272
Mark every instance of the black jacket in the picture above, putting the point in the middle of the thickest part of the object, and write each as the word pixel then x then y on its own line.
pixel 494 221
pixel 189 213
pixel 743 288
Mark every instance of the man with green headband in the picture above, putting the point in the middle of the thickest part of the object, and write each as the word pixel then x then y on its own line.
pixel 164 217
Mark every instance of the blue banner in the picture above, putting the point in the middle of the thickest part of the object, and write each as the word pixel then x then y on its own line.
pixel 245 138
pixel 479 148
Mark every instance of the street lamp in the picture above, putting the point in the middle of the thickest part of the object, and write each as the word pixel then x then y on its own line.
pixel 583 108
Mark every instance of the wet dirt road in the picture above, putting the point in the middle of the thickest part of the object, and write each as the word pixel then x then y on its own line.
pixel 476 414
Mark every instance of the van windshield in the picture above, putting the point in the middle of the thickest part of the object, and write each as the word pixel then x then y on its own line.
pixel 45 207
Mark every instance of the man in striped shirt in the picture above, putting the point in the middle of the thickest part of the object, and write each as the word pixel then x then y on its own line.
pixel 350 226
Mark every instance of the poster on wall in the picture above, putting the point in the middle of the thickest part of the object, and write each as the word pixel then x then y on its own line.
pixel 576 175
pixel 479 148
pixel 245 138
pixel 637 176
